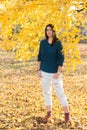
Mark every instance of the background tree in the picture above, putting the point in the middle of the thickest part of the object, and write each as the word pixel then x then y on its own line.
pixel 23 24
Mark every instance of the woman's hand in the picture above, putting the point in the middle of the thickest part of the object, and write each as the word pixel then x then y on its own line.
pixel 56 75
pixel 39 73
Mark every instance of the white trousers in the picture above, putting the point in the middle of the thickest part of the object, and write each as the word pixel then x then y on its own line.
pixel 46 84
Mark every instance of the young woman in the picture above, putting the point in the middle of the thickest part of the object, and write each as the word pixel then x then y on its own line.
pixel 50 62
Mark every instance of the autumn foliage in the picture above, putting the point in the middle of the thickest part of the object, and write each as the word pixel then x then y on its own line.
pixel 22 102
pixel 23 24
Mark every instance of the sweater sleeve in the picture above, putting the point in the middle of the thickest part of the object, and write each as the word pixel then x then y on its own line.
pixel 60 55
pixel 39 53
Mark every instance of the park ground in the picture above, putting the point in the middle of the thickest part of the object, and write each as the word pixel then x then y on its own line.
pixel 21 99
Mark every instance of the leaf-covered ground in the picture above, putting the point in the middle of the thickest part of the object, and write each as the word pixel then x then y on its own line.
pixel 21 100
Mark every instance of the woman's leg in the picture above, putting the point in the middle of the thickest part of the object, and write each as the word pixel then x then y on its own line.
pixel 58 85
pixel 47 92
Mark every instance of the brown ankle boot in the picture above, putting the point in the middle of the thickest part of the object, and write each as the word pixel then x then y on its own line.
pixel 47 117
pixel 67 118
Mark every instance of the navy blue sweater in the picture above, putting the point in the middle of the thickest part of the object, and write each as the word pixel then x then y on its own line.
pixel 50 56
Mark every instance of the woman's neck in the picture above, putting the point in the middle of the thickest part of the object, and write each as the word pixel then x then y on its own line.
pixel 50 39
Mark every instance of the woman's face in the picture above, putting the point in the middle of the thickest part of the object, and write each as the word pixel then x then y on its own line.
pixel 49 32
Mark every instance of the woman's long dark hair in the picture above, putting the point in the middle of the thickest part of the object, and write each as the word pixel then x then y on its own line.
pixel 54 34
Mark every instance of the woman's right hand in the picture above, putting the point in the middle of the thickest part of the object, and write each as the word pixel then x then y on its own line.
pixel 39 73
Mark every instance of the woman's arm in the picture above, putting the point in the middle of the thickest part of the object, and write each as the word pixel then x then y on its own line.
pixel 60 57
pixel 39 57
pixel 59 69
pixel 38 65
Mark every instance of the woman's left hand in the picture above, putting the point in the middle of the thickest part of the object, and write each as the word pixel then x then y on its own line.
pixel 56 75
